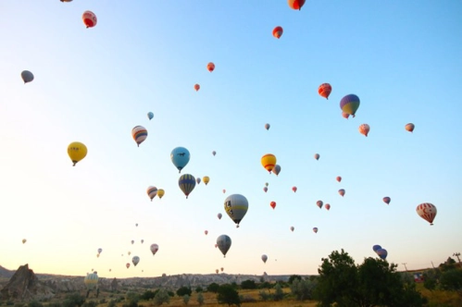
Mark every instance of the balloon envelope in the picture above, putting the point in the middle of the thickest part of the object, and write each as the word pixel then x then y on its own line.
pixel 236 206
pixel 135 260
pixel 277 32
pixel 296 4
pixel 154 248
pixel 27 76
pixel 264 258
pixel 409 127
pixel 277 169
pixel 139 134
pixel 338 178
pixel 219 215
pixel 89 19
pixel 341 192
pixel 375 248
pixel 315 229
pixel 273 204
pixel 350 104
pixel 382 253
pixel 197 87
pixel 268 161
pixel 316 156
pixel 327 206
pixel 294 189
pixel 210 66
pixel 387 200
pixel 150 115
pixel 324 90
pixel 364 129
pixel 206 179
pixel 187 183
pixel 152 192
pixel 180 157
pixel 292 228
pixel 76 151
pixel 224 243
pixel 427 211
pixel 91 281
pixel 319 203
pixel 267 126
pixel 160 193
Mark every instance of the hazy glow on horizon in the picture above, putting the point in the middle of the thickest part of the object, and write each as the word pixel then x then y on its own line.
pixel 94 85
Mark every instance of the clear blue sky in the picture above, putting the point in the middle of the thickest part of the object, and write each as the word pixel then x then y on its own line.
pixel 403 59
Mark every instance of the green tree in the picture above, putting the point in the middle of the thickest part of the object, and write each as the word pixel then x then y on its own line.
pixel 213 287
pixel 294 277
pixel 302 289
pixel 248 284
pixel 161 297
pixel 73 300
pixel 148 295
pixel 278 293
pixel 451 280
pixel 34 304
pixel 184 291
pixel 431 278
pixel 131 299
pixel 228 295
pixel 200 299
pixel 373 283
pixel 199 289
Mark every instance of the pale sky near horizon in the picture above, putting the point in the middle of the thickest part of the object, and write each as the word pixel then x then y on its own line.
pixel 402 59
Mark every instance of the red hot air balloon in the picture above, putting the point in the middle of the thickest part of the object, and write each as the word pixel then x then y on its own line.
pixel 338 178
pixel 197 87
pixel 427 211
pixel 206 232
pixel 341 192
pixel 127 265
pixel 273 204
pixel 324 90
pixel 319 203
pixel 387 200
pixel 409 127
pixel 210 67
pixel 294 189
pixel 277 32
pixel 364 129
pixel 89 19
pixel 296 4
pixel 327 207
pixel 345 115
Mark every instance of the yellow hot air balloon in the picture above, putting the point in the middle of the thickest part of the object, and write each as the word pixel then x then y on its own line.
pixel 160 193
pixel 76 151
pixel 206 179
pixel 268 161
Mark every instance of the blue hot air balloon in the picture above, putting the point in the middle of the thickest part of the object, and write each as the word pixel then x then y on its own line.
pixel 382 253
pixel 180 157
pixel 375 248
pixel 150 115
pixel 187 183
pixel 350 104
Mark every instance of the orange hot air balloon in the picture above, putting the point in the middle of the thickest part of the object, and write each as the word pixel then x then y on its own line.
pixel 294 189
pixel 364 129
pixel 89 19
pixel 324 90
pixel 210 67
pixel 339 178
pixel 409 127
pixel 296 4
pixel 273 204
pixel 268 161
pixel 345 115
pixel 197 87
pixel 277 32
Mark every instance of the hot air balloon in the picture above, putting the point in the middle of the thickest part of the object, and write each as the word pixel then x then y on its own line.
pixel 315 229
pixel 375 248
pixel 273 204
pixel 187 183
pixel 76 151
pixel 129 253
pixel 219 215
pixel 382 253
pixel 160 193
pixel 100 250
pixel 345 115
pixel 91 281
pixel 135 260
pixel 324 90
pixel 341 192
pixel 327 206
pixel 338 178
pixel 265 189
pixel 214 153
pixel 277 32
pixel 319 203
pixel 316 156
pixel 277 169
pixel 296 4
pixel 268 161
pixel 222 269
pixel 210 67
pixel 409 127
pixel 152 192
pixel 206 232
pixel 27 76
pixel 180 157
pixel 139 134
pixel 89 19
pixel 133 241
pixel 364 129
pixel 266 184
pixel 24 241
pixel 292 228
pixel 267 126
pixel 198 180
pixel 217 271
pixel 197 87
pixel 294 188
pixel 150 115
pixel 224 243
pixel 224 191
pixel 66 0
pixel 350 104
pixel 264 258
pixel 387 200
pixel 427 211
pixel 154 248
pixel 236 206
pixel 127 265
pixel 142 241
pixel 206 179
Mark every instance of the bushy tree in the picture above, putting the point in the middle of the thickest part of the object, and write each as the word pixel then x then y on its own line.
pixel 184 291
pixel 302 289
pixel 148 295
pixel 213 287
pixel 131 299
pixel 186 299
pixel 431 278
pixel 278 293
pixel 161 297
pixel 373 283
pixel 227 294
pixel 248 284
pixel 73 300
pixel 294 277
pixel 34 303
pixel 451 280
pixel 199 289
pixel 200 299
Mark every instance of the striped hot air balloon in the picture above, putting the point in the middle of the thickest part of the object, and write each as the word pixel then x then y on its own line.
pixel 152 192
pixel 187 183
pixel 349 104
pixel 139 134
pixel 427 211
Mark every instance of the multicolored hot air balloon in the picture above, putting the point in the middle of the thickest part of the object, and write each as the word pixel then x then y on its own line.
pixel 277 169
pixel 210 66
pixel 224 243
pixel 316 156
pixel 150 115
pixel 187 183
pixel 91 281
pixel 139 134
pixel 197 87
pixel 296 4
pixel 350 104
pixel 180 157
pixel 152 192
pixel 154 248
pixel 236 206
pixel 427 211
pixel 409 127
pixel 264 258
pixel 273 204
pixel 89 19
pixel 268 161
pixel 364 129
pixel 206 179
pixel 387 200
pixel 319 203
pixel 382 253
pixel 267 126
pixel 76 151
pixel 341 192
pixel 27 76
pixel 324 90
pixel 277 32
pixel 160 193
pixel 135 260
